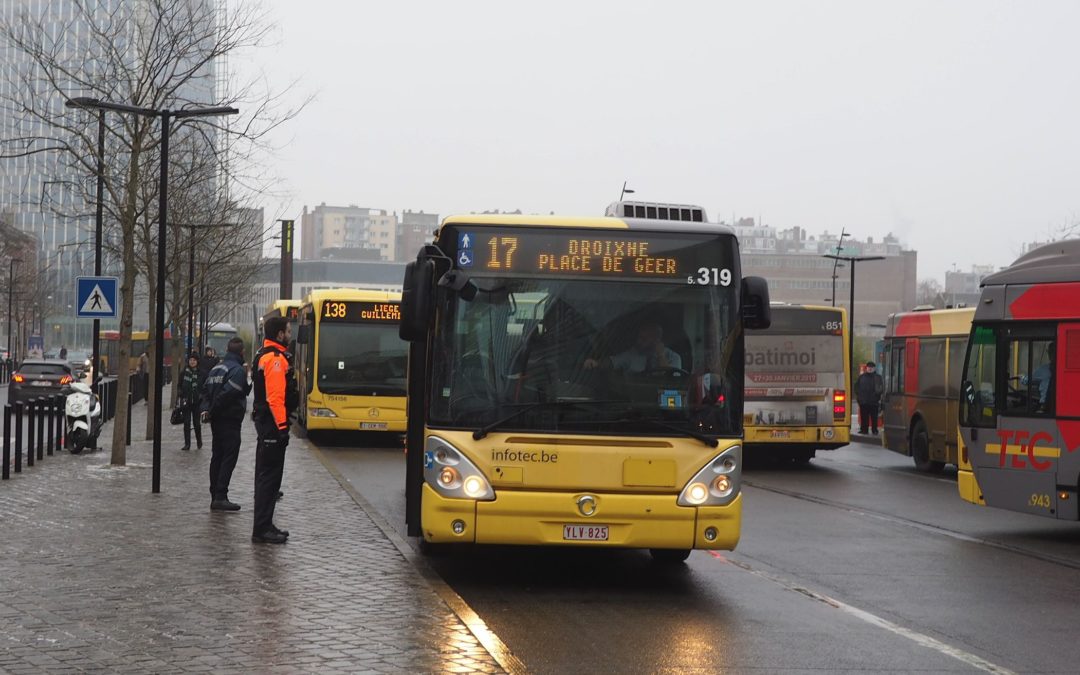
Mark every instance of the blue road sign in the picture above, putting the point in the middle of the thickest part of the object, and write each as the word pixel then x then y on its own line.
pixel 96 297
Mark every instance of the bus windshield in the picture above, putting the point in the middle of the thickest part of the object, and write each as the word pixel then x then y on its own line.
pixel 589 356
pixel 361 359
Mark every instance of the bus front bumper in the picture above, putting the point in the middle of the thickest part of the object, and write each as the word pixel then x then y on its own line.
pixel 540 518
pixel 969 487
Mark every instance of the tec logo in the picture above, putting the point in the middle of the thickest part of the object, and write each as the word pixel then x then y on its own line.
pixel 1018 443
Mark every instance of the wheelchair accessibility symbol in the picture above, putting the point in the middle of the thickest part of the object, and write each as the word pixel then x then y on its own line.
pixel 465 259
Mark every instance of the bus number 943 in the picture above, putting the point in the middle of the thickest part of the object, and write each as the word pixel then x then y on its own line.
pixel 710 276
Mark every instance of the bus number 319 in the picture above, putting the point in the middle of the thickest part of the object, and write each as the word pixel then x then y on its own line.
pixel 710 276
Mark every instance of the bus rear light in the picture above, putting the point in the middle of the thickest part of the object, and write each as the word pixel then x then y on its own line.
pixel 839 409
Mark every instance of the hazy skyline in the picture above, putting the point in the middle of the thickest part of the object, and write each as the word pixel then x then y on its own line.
pixel 949 124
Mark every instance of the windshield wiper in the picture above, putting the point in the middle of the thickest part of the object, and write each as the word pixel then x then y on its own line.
pixel 568 403
pixel 707 440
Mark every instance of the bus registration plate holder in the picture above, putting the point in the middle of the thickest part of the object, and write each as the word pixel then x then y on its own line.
pixel 585 532
pixel 373 426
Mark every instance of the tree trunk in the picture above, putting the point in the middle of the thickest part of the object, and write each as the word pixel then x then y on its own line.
pixel 127 307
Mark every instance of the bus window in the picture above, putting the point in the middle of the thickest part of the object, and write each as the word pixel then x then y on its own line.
pixel 977 402
pixel 957 347
pixel 1029 376
pixel 932 367
pixel 896 370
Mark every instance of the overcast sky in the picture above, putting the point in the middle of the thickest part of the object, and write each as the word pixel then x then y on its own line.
pixel 953 125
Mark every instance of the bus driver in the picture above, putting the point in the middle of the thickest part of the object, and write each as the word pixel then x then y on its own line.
pixel 648 353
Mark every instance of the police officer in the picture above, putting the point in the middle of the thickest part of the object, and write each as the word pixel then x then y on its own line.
pixel 225 405
pixel 270 374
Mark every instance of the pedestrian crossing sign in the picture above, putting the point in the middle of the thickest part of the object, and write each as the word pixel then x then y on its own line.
pixel 96 297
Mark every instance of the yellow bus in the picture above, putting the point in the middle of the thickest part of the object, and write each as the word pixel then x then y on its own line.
pixel 350 363
pixel 289 309
pixel 797 379
pixel 923 360
pixel 578 381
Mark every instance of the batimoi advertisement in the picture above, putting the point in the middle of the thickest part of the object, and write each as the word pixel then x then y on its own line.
pixel 790 379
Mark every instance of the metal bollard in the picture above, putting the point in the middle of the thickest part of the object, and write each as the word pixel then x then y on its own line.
pixel 60 401
pixel 31 423
pixel 42 411
pixel 51 402
pixel 7 441
pixel 127 441
pixel 18 436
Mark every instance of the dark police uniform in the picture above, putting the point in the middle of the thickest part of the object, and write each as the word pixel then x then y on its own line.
pixel 225 399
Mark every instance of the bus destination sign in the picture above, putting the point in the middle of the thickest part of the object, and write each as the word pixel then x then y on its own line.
pixel 674 258
pixel 352 311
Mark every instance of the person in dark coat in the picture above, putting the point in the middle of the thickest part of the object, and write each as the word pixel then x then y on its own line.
pixel 224 405
pixel 190 398
pixel 868 390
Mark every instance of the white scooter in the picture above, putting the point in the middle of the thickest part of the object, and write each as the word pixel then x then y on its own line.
pixel 82 411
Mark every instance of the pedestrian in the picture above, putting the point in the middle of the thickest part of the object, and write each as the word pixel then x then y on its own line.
pixel 190 397
pixel 270 373
pixel 207 362
pixel 144 374
pixel 868 390
pixel 224 405
pixel 63 353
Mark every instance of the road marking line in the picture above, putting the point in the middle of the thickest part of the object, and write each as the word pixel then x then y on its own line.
pixel 917 525
pixel 461 609
pixel 875 620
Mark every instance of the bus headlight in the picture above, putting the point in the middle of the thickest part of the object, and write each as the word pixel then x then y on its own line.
pixel 451 474
pixel 717 483
pixel 321 412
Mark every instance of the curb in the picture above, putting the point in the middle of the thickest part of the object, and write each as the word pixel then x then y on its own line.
pixel 484 635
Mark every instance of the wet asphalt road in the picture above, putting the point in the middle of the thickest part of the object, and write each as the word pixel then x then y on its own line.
pixel 855 563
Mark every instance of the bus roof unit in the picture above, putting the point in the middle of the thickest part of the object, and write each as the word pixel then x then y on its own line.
pixel 1056 262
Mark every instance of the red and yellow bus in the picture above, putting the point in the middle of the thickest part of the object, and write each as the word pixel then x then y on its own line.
pixel 922 363
pixel 350 363
pixel 797 379
pixel 1020 394
pixel 578 381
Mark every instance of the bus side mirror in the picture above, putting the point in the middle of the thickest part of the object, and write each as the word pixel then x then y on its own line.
pixel 416 300
pixel 756 312
pixel 302 332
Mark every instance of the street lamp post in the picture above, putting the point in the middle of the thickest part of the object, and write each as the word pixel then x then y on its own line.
pixel 99 216
pixel 11 294
pixel 851 260
pixel 166 117
pixel 839 247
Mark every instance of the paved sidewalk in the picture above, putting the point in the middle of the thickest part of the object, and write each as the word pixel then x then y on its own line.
pixel 101 575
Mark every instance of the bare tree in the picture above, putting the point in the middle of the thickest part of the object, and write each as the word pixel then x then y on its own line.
pixel 155 54
pixel 927 291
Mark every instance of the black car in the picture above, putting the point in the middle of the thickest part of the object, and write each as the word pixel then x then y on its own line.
pixel 39 377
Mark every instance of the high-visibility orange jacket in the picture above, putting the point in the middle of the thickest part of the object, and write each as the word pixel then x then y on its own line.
pixel 270 380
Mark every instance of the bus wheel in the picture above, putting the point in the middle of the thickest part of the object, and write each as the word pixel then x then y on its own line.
pixel 803 456
pixel 669 555
pixel 920 450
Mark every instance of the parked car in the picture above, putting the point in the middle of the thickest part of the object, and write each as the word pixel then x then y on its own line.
pixel 39 377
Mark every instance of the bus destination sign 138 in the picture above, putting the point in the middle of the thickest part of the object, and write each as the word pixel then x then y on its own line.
pixel 352 311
